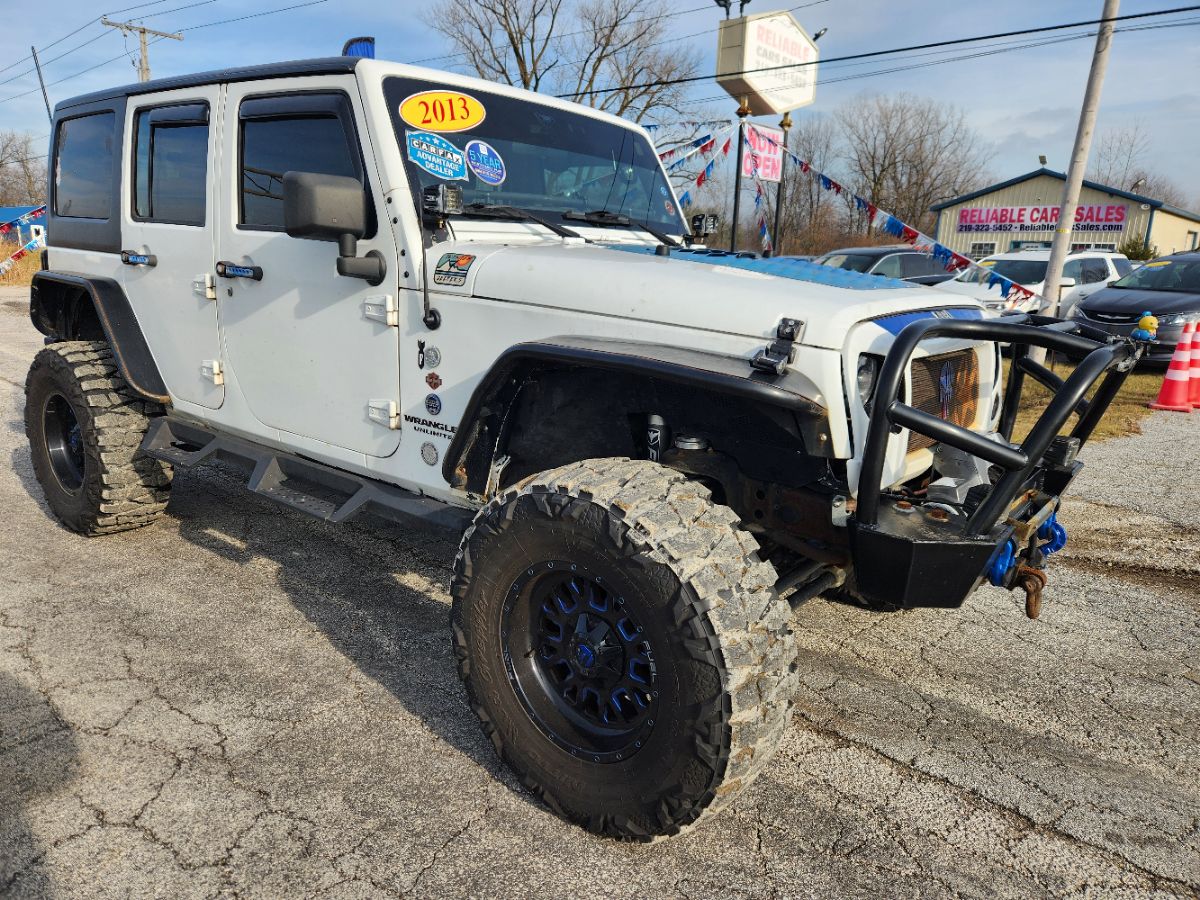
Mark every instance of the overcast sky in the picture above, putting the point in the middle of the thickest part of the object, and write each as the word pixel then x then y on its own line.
pixel 1024 101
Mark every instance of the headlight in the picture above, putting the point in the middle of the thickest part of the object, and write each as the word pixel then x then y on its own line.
pixel 1177 319
pixel 868 369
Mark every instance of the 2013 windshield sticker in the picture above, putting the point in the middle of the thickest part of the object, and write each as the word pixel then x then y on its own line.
pixel 486 163
pixel 436 155
pixel 452 268
pixel 442 111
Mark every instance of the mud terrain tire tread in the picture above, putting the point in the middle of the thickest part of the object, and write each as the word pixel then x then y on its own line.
pixel 122 489
pixel 721 584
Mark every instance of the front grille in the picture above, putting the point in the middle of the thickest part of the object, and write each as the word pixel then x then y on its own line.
pixel 1112 318
pixel 946 386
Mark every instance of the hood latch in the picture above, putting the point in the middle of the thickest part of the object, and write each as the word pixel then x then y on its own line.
pixel 776 356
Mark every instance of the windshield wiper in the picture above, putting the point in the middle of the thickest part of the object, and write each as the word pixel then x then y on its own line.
pixel 604 217
pixel 517 215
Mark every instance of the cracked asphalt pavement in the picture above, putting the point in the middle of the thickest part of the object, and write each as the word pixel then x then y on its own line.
pixel 242 701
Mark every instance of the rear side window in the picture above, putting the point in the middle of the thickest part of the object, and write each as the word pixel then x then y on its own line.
pixel 1124 267
pixel 171 164
pixel 275 140
pixel 916 265
pixel 83 166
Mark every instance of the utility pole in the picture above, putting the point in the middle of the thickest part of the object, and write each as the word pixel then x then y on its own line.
pixel 1079 156
pixel 786 124
pixel 38 65
pixel 743 111
pixel 142 31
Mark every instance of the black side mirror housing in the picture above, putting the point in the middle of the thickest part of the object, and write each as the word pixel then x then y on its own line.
pixel 332 208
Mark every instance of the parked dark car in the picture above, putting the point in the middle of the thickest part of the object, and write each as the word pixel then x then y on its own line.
pixel 892 262
pixel 1168 287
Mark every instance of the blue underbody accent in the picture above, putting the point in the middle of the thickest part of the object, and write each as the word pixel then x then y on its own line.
pixel 796 269
pixel 997 569
pixel 895 324
pixel 1052 531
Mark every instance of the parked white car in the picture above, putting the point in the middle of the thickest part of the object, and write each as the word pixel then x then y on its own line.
pixel 1083 274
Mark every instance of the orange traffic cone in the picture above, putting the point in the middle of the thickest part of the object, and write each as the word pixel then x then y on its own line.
pixel 1194 383
pixel 1173 395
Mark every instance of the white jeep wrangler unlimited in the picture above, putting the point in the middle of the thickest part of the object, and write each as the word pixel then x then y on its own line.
pixel 392 289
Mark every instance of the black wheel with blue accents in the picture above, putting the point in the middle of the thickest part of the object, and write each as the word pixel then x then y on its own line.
pixel 622 645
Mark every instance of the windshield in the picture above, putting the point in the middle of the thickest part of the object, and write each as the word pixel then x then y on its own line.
pixel 1022 271
pixel 1164 275
pixel 510 152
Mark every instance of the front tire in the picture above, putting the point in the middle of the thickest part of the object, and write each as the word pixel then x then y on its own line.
pixel 622 645
pixel 85 427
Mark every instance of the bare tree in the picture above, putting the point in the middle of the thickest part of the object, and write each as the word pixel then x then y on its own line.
pixel 906 153
pixel 511 41
pixel 809 214
pixel 617 44
pixel 22 170
pixel 1120 162
pixel 590 45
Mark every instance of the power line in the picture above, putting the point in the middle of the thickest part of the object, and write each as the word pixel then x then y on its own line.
pixel 877 53
pixel 268 12
pixel 975 55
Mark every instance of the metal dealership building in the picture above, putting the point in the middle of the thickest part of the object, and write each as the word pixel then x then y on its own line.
pixel 1023 212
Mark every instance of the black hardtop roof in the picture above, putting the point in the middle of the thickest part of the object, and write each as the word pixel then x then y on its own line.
pixel 331 65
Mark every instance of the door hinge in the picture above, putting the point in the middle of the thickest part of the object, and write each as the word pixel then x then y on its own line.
pixel 211 369
pixel 382 308
pixel 384 412
pixel 202 286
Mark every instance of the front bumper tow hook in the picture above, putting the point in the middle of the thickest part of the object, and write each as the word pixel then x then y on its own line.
pixel 1032 581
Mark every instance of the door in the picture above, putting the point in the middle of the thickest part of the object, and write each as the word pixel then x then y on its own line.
pixel 300 346
pixel 167 234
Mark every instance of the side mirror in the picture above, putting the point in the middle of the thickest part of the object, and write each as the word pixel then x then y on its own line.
pixel 1067 283
pixel 332 208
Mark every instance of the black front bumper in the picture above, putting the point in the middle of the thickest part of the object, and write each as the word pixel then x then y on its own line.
pixel 906 554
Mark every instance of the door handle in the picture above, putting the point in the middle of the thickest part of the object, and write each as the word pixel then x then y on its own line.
pixel 233 270
pixel 130 258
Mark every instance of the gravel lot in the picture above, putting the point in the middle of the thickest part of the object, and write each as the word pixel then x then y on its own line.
pixel 243 701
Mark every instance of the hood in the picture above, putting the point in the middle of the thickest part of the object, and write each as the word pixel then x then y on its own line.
pixel 1129 300
pixel 701 289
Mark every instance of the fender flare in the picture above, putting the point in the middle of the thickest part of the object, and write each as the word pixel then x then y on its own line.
pixel 48 296
pixel 716 373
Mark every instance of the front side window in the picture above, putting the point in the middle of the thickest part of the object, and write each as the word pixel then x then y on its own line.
pixel 83 166
pixel 1022 271
pixel 889 266
pixel 854 262
pixel 171 164
pixel 1073 268
pixel 1094 271
pixel 281 137
pixel 505 151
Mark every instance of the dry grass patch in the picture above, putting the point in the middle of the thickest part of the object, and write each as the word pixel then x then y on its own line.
pixel 22 271
pixel 1122 418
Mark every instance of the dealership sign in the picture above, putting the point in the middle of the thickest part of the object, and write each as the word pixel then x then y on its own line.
pixel 769 61
pixel 1098 217
pixel 769 153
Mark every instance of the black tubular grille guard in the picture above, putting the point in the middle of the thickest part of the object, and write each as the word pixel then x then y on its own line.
pixel 1022 331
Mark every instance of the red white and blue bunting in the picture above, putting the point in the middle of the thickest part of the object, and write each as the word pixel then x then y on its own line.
pixel 31 247
pixel 886 222
pixel 24 219
pixel 760 197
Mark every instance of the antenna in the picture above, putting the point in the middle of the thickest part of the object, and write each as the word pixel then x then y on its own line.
pixel 142 31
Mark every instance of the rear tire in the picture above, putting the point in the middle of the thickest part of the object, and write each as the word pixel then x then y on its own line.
pixel 85 427
pixel 622 644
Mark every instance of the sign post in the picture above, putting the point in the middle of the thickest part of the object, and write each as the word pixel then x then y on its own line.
pixel 768 63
